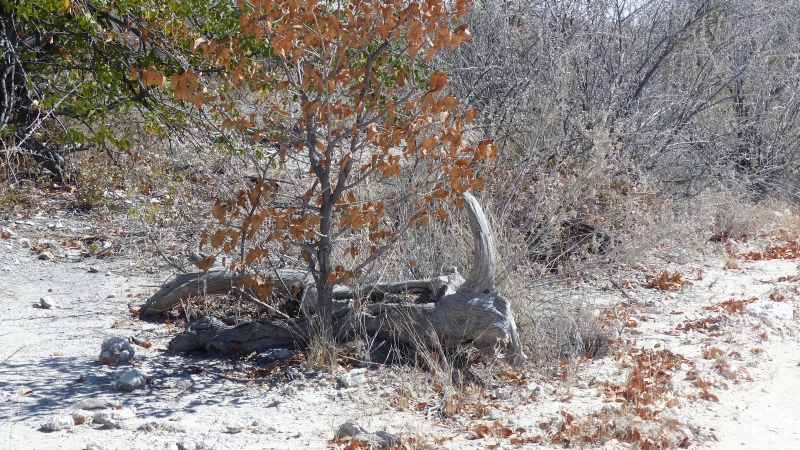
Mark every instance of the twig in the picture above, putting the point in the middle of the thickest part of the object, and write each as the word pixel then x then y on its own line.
pixel 11 355
pixel 258 302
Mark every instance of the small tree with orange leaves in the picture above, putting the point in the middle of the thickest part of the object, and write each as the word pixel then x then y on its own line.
pixel 347 98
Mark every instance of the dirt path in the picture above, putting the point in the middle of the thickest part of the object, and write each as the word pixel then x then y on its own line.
pixel 49 363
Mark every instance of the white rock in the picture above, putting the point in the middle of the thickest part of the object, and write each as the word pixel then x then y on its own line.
pixel 260 422
pixel 6 269
pixel 114 418
pixel 94 445
pixel 494 414
pixel 235 427
pixel 93 269
pixel 58 423
pixel 196 442
pixel 769 311
pixel 116 350
pixel 353 378
pixel 82 417
pixel 130 381
pixel 46 302
pixel 25 243
pixel 535 390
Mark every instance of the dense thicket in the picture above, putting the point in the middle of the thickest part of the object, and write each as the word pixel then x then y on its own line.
pixel 689 92
pixel 601 109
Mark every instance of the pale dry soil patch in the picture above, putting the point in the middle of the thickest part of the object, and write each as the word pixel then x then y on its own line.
pixel 50 362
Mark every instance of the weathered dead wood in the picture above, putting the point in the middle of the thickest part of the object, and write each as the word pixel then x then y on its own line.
pixel 218 280
pixel 449 309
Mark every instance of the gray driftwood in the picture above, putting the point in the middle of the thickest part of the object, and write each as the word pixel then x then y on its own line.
pixel 450 311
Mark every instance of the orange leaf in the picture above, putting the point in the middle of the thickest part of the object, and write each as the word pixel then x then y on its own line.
pixel 470 115
pixel 206 263
pixel 414 33
pixel 438 81
pixel 429 54
pixel 218 238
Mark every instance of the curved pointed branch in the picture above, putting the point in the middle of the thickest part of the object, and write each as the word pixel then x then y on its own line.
pixel 481 278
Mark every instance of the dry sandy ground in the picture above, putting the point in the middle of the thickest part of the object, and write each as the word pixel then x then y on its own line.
pixel 49 362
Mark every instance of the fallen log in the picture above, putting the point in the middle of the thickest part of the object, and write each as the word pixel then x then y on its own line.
pixel 449 309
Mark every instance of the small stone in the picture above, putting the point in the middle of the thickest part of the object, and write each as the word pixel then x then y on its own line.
pixel 494 414
pixel 46 256
pixel 46 302
pixel 110 295
pixel 108 274
pixel 24 243
pixel 58 423
pixel 94 445
pixel 260 422
pixel 82 417
pixel 349 428
pixel 116 350
pixel 235 427
pixel 353 378
pixel 536 390
pixel 93 269
pixel 130 381
pixel 379 439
